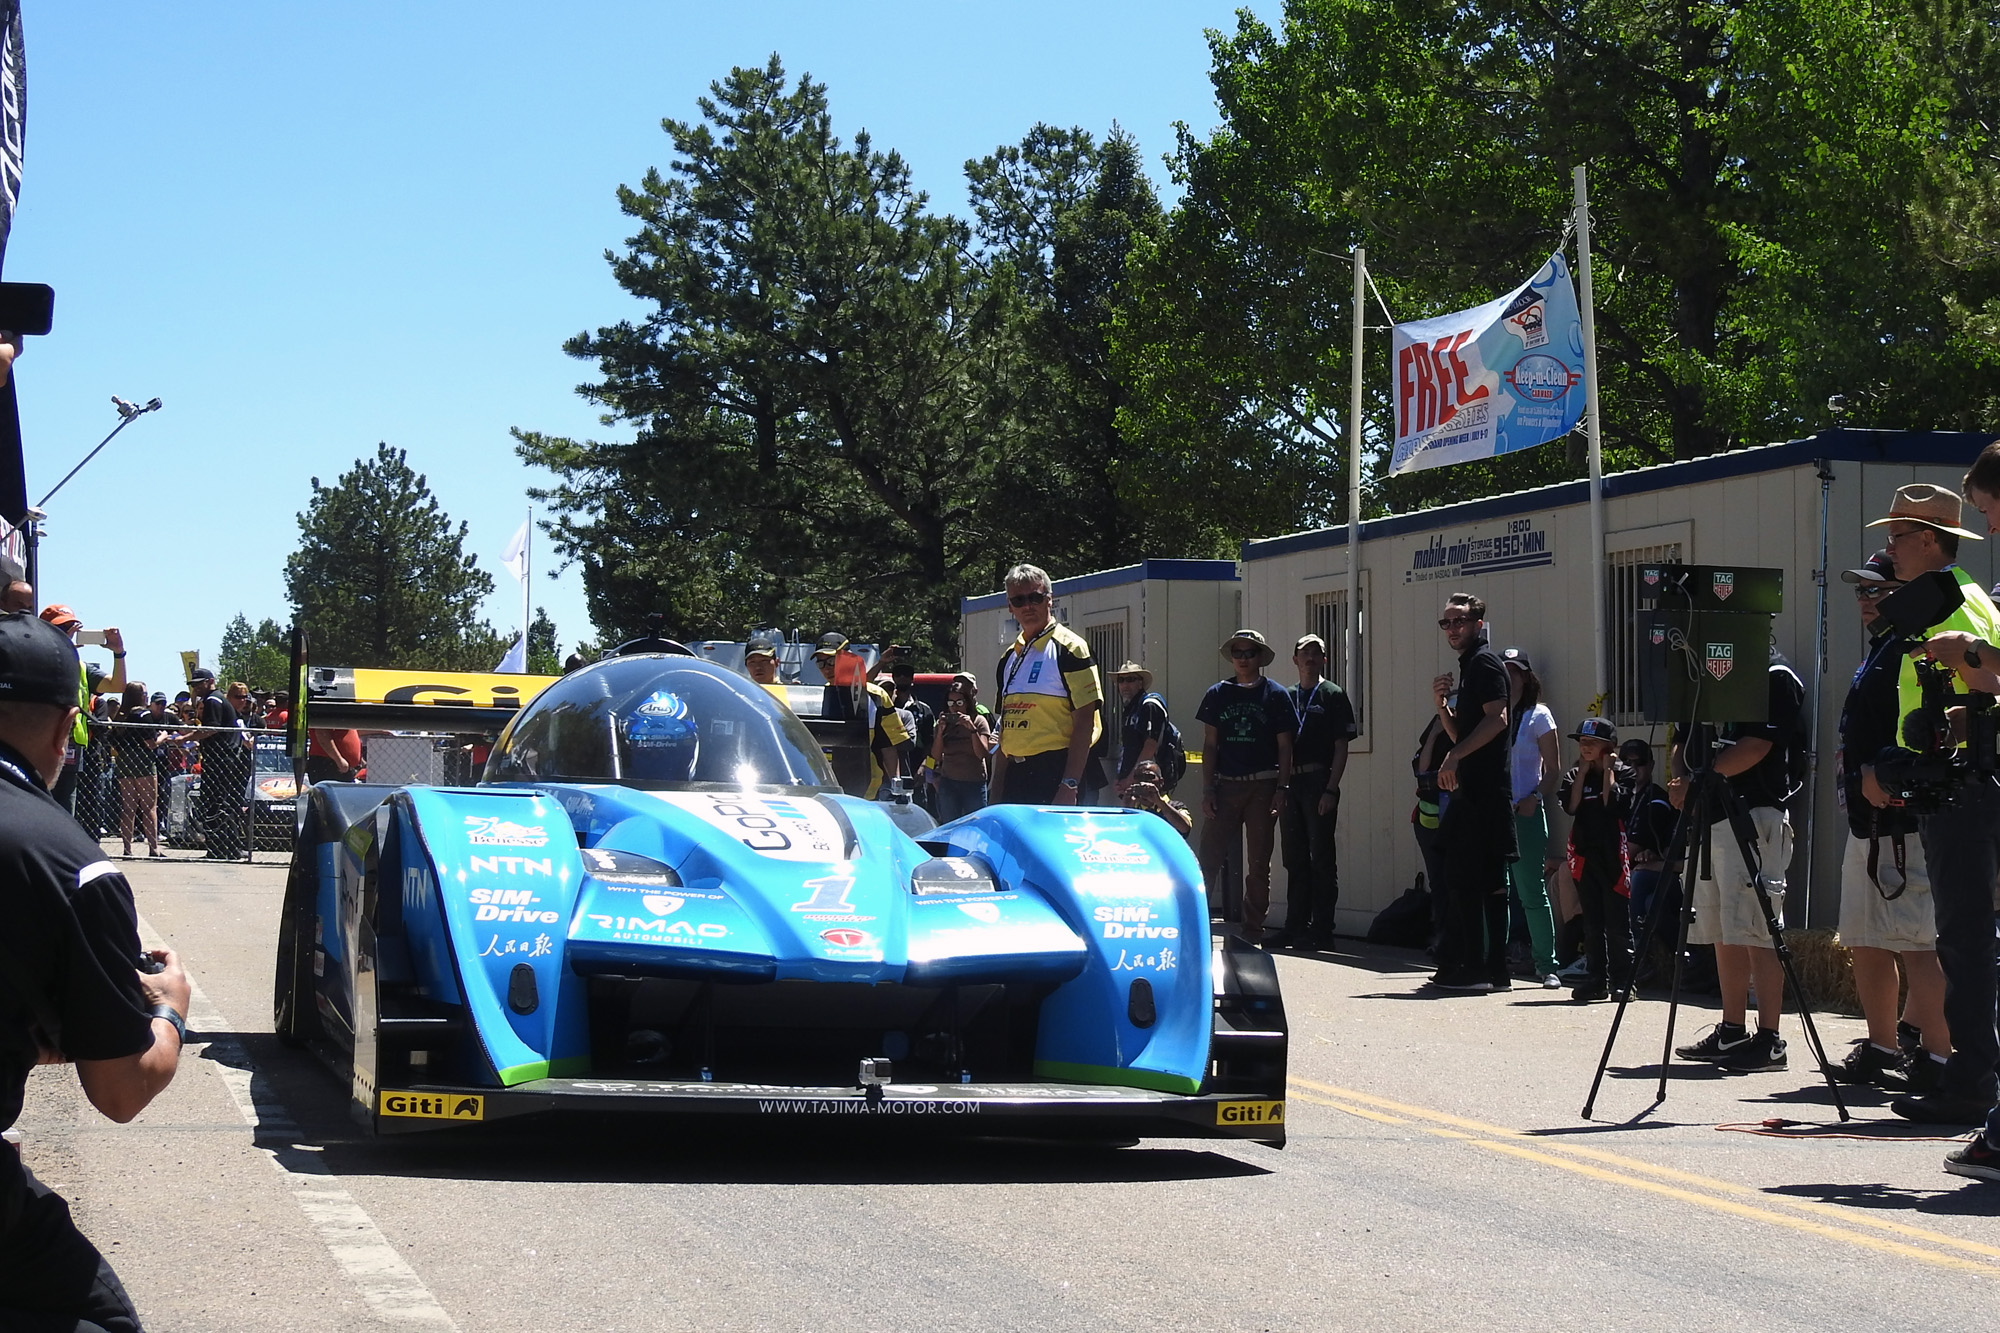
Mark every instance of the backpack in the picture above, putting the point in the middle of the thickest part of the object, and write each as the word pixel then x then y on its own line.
pixel 1172 754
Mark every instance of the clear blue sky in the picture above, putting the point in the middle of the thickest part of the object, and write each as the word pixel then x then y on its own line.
pixel 309 228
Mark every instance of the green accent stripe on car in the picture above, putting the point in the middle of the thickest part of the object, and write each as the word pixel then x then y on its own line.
pixel 1124 1078
pixel 523 1073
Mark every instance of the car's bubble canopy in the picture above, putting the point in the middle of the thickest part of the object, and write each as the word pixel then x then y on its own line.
pixel 650 720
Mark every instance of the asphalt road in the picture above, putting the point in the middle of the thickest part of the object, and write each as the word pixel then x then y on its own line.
pixel 1439 1176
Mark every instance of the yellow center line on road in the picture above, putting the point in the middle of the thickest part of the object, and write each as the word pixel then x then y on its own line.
pixel 1835 1222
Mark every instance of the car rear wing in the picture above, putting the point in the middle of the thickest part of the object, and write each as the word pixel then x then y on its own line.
pixel 373 699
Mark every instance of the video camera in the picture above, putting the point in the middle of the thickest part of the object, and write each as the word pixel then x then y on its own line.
pixel 1929 767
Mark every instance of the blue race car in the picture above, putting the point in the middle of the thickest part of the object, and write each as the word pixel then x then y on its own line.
pixel 657 901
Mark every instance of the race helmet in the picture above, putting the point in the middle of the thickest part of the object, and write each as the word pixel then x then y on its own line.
pixel 661 741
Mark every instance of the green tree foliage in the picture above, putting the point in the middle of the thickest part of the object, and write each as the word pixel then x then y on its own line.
pixel 261 658
pixel 381 578
pixel 1056 216
pixel 812 441
pixel 544 658
pixel 1750 168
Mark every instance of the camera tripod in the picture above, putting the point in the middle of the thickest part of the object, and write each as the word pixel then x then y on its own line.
pixel 1709 793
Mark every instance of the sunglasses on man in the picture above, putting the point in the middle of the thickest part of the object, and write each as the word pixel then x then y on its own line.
pixel 1026 598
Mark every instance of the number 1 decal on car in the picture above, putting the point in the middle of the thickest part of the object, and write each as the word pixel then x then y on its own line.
pixel 829 895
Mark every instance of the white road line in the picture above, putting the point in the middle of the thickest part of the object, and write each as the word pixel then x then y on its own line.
pixel 390 1286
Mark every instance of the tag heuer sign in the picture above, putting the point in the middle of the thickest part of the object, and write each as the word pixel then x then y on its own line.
pixel 1652 576
pixel 1723 583
pixel 1659 634
pixel 1721 659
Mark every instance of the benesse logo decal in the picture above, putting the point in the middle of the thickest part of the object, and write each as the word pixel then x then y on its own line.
pixel 1250 1113
pixel 433 1106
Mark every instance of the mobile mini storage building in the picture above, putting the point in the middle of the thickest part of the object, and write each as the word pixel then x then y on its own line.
pixel 1527 554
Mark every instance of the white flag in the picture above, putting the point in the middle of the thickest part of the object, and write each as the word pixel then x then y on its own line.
pixel 517 656
pixel 516 559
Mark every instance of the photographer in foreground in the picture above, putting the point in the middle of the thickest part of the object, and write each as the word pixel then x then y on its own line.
pixel 70 988
pixel 1760 762
pixel 1961 838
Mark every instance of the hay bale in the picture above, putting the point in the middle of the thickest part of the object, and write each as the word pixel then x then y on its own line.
pixel 1825 969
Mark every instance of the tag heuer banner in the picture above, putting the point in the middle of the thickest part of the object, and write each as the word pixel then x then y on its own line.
pixel 1504 376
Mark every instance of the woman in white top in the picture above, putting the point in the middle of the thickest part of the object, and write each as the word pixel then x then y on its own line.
pixel 1533 763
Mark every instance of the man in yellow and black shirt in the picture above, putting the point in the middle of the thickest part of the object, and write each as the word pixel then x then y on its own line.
pixel 1050 699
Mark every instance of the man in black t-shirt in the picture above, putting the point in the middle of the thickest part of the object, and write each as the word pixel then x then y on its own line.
pixel 225 770
pixel 70 988
pixel 1756 758
pixel 1246 762
pixel 1476 829
pixel 1312 807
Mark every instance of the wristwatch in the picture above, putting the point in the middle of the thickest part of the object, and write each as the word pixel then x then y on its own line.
pixel 172 1015
pixel 1071 783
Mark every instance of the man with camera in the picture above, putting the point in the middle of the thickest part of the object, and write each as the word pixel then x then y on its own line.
pixel 1757 759
pixel 1961 836
pixel 73 987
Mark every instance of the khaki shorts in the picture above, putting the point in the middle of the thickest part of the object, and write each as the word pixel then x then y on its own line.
pixel 1868 921
pixel 1725 907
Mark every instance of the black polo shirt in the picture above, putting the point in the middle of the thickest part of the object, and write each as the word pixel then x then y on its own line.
pixel 69 939
pixel 1768 782
pixel 1482 679
pixel 1870 721
pixel 1325 717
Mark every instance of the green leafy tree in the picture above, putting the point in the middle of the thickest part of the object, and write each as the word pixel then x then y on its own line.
pixel 381 577
pixel 1057 215
pixel 811 443
pixel 1749 168
pixel 544 658
pixel 260 657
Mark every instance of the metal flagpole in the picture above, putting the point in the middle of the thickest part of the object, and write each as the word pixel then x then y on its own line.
pixel 1351 626
pixel 1598 611
pixel 527 584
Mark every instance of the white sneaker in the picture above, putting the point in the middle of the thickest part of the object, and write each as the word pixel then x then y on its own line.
pixel 1552 982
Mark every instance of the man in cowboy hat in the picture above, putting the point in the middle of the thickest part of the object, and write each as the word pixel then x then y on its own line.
pixel 1143 721
pixel 1961 840
pixel 1248 722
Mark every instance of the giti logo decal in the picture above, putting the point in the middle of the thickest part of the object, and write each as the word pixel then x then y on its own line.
pixel 1659 635
pixel 1250 1113
pixel 1723 583
pixel 433 1106
pixel 844 937
pixel 1721 659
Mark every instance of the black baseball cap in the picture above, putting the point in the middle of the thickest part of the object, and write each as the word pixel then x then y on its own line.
pixel 1515 657
pixel 760 647
pixel 1877 568
pixel 1596 729
pixel 37 662
pixel 202 673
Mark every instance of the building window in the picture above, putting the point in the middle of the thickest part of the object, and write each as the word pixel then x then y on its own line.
pixel 1624 707
pixel 1326 616
pixel 1107 645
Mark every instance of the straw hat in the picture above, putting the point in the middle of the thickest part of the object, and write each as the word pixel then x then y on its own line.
pixel 1132 668
pixel 1265 653
pixel 1933 506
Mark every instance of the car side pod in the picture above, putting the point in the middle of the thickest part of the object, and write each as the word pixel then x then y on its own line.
pixel 1247 1047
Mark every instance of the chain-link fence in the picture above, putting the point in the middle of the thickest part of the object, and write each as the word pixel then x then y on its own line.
pixel 160 788
pixel 157 788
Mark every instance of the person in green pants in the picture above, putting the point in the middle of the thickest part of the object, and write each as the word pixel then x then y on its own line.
pixel 1534 764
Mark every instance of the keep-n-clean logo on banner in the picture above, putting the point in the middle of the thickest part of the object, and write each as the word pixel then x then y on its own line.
pixel 1723 583
pixel 1721 659
pixel 1523 545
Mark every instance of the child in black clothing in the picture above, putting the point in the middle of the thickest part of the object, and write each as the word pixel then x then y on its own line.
pixel 1597 793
